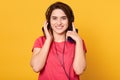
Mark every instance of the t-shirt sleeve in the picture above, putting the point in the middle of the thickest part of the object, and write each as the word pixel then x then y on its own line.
pixel 84 47
pixel 38 43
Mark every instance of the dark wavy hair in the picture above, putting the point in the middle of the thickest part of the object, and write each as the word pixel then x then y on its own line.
pixel 65 8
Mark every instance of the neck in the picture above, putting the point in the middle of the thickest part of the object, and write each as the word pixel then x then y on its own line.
pixel 59 37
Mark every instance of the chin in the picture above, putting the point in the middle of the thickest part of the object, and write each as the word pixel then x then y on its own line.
pixel 59 32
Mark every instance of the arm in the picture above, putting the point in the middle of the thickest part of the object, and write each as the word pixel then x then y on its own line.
pixel 79 62
pixel 39 56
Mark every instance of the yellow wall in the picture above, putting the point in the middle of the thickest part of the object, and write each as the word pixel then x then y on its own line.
pixel 98 22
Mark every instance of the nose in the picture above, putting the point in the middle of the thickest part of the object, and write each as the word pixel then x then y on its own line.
pixel 59 21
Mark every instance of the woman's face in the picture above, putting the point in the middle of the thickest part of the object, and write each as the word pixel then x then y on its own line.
pixel 58 21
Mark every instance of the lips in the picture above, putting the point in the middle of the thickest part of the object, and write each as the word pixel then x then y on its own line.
pixel 59 27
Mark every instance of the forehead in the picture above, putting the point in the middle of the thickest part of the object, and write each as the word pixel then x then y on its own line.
pixel 58 12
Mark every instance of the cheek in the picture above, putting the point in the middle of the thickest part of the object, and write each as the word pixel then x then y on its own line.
pixel 52 21
pixel 65 23
pixel 52 24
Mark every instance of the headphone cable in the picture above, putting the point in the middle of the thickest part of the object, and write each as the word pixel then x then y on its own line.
pixel 62 62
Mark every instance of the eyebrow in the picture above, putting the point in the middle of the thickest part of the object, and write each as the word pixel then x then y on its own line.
pixel 56 16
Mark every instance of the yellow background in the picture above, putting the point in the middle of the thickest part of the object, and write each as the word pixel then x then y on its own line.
pixel 98 22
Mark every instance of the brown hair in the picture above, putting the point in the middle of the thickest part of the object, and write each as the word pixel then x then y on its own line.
pixel 65 8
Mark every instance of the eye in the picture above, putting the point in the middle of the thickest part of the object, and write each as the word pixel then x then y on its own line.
pixel 54 18
pixel 64 17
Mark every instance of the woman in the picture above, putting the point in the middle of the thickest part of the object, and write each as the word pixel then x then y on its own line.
pixel 60 53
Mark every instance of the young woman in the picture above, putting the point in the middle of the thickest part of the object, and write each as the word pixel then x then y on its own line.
pixel 60 53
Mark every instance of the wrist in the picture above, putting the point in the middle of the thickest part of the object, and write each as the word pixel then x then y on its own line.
pixel 78 40
pixel 48 40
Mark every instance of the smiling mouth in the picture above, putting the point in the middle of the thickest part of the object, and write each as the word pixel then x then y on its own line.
pixel 59 27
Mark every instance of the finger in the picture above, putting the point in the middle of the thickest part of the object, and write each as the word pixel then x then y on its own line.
pixel 68 34
pixel 73 27
pixel 45 25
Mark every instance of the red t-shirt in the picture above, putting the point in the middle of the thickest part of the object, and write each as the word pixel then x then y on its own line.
pixel 58 66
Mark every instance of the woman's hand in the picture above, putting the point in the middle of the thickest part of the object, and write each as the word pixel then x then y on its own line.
pixel 47 32
pixel 79 62
pixel 73 34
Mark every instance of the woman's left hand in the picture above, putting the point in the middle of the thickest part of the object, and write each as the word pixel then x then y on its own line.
pixel 73 34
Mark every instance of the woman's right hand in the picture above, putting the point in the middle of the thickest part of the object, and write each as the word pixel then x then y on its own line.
pixel 47 32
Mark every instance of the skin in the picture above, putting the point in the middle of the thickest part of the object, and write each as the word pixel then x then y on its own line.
pixel 59 24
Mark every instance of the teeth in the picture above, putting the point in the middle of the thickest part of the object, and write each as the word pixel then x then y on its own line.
pixel 59 27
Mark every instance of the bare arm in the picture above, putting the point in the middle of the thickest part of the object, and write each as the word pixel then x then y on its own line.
pixel 79 62
pixel 39 56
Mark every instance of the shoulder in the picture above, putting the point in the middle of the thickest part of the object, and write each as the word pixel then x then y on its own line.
pixel 41 38
pixel 38 43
